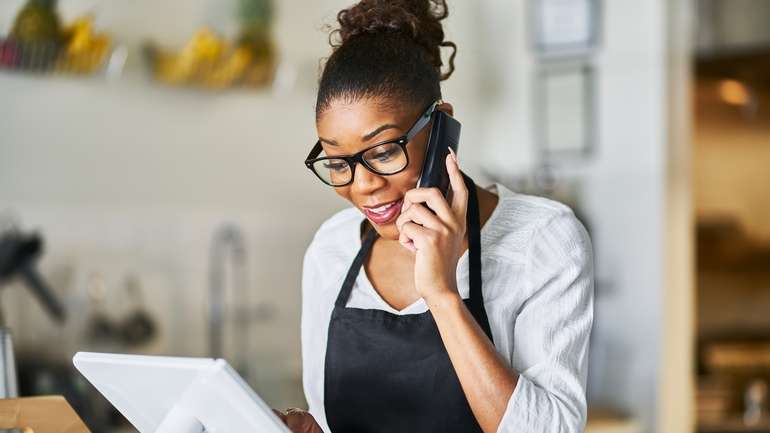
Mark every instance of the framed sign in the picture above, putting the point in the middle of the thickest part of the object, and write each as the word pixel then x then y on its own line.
pixel 565 109
pixel 565 26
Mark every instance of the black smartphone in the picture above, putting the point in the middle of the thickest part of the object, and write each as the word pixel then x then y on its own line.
pixel 444 134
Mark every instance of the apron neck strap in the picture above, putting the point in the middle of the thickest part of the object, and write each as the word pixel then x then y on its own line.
pixel 350 278
pixel 473 228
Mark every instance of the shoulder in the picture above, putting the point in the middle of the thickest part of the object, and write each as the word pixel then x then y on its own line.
pixel 522 223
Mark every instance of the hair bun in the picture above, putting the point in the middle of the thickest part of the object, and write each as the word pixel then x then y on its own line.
pixel 420 20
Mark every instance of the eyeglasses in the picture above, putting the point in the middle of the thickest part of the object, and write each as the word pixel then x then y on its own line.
pixel 385 158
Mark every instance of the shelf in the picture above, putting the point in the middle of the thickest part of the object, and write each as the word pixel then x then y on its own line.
pixel 734 425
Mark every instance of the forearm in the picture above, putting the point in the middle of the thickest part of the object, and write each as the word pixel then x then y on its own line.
pixel 485 378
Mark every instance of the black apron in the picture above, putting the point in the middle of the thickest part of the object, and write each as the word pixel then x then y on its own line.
pixel 391 373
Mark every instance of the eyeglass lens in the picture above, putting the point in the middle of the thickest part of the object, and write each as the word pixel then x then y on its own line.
pixel 387 158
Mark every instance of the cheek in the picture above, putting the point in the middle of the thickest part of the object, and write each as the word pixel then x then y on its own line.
pixel 400 183
pixel 344 192
pixel 408 178
pixel 416 159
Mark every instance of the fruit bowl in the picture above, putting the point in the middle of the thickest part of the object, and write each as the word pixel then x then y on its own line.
pixel 208 61
pixel 77 50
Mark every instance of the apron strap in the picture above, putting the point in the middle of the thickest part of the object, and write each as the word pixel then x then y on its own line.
pixel 473 227
pixel 350 278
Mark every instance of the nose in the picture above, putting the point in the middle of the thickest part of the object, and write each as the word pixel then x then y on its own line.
pixel 365 182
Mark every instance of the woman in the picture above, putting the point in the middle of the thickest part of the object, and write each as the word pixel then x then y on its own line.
pixel 472 313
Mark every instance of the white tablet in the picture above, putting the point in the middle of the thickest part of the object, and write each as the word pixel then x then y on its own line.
pixel 159 394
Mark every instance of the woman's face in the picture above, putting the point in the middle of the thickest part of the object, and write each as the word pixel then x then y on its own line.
pixel 354 126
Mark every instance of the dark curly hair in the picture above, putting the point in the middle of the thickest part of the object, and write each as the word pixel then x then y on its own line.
pixel 388 50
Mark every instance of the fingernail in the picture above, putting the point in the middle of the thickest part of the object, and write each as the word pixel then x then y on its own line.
pixel 454 155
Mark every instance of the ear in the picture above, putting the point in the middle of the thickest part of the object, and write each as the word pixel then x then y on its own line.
pixel 447 108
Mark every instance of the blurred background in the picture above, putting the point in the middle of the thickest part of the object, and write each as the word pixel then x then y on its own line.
pixel 151 179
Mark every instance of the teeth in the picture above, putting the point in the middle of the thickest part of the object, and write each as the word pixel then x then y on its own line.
pixel 383 208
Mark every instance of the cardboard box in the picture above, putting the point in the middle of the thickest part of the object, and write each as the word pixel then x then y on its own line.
pixel 48 414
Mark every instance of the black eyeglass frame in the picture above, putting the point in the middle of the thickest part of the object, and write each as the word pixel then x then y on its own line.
pixel 352 160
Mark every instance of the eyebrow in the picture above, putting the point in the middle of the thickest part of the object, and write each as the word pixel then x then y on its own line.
pixel 366 137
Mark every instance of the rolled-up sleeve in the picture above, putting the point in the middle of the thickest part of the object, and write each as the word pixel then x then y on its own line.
pixel 552 330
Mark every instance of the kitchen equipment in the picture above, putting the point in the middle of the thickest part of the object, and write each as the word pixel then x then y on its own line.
pixel 8 379
pixel 228 238
pixel 18 254
pixel 136 328
pixel 755 402
pixel 139 326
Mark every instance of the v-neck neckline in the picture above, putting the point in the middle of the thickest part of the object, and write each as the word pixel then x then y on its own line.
pixel 365 282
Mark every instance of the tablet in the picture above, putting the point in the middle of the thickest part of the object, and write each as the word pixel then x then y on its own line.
pixel 159 394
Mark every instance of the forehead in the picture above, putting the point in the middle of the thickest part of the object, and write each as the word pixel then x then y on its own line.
pixel 347 122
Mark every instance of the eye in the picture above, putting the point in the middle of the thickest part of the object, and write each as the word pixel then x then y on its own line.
pixel 338 166
pixel 384 155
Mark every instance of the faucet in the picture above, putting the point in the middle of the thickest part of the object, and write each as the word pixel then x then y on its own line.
pixel 227 238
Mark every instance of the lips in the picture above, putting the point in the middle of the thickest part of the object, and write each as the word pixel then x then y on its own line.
pixel 385 213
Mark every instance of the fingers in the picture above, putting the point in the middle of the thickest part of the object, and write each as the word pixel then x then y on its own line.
pixel 420 215
pixel 433 198
pixel 280 415
pixel 459 190
pixel 298 420
pixel 415 234
pixel 405 240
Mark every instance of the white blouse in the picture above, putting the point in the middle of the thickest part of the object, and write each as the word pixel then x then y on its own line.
pixel 537 273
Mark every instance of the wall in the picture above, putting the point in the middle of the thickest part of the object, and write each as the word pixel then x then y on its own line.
pixel 676 378
pixel 624 196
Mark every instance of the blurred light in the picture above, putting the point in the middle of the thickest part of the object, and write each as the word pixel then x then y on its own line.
pixel 734 92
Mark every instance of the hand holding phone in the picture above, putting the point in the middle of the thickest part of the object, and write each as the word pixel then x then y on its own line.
pixel 432 223
pixel 444 135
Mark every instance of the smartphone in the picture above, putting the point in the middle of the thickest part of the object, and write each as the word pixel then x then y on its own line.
pixel 444 134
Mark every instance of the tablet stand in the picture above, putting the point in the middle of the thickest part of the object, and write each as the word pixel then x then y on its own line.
pixel 180 420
